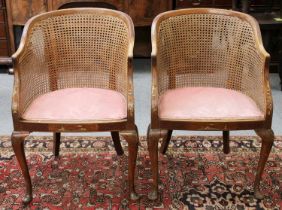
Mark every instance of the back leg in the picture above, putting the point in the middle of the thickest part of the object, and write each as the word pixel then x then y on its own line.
pixel 165 142
pixel 117 144
pixel 226 148
pixel 56 144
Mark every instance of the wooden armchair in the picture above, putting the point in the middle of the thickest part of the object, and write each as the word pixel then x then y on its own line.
pixel 73 73
pixel 209 72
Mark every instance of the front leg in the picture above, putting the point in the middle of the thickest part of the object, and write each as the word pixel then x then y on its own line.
pixel 153 139
pixel 17 139
pixel 267 137
pixel 133 141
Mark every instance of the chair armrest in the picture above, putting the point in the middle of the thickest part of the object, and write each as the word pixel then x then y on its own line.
pixel 260 84
pixel 21 49
pixel 15 58
pixel 28 71
pixel 264 90
pixel 267 89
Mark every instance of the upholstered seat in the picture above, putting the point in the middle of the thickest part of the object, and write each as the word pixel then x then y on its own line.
pixel 78 104
pixel 207 103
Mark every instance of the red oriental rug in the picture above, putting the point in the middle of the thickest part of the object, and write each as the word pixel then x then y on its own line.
pixel 194 174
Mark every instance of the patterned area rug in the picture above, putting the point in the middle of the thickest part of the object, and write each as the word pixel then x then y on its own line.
pixel 194 174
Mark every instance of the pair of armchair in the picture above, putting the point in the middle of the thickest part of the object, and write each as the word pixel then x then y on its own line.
pixel 73 73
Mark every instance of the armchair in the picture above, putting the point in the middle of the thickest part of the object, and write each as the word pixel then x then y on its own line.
pixel 209 72
pixel 73 73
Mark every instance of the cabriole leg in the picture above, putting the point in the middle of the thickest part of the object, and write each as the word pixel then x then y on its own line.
pixel 267 137
pixel 133 141
pixel 17 139
pixel 153 139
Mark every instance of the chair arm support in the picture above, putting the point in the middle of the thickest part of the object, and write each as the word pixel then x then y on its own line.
pixel 15 96
pixel 154 92
pixel 130 91
pixel 267 92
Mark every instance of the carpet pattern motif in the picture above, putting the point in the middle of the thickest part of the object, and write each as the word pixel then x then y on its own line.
pixel 194 174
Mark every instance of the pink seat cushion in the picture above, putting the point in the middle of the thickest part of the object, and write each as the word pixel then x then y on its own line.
pixel 78 104
pixel 207 103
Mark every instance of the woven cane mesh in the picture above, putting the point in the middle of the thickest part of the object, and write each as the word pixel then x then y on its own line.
pixel 74 50
pixel 209 50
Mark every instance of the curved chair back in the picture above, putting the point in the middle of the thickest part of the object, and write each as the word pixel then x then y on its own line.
pixel 210 48
pixel 75 48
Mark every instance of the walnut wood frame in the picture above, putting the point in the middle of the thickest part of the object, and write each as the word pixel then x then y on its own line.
pixel 161 128
pixel 124 127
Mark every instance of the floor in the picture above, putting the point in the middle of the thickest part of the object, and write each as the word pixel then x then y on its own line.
pixel 142 84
